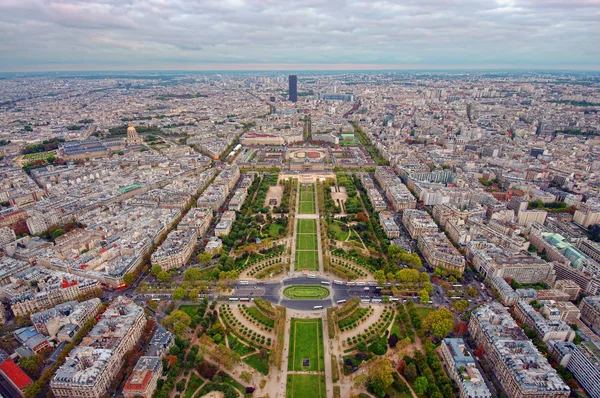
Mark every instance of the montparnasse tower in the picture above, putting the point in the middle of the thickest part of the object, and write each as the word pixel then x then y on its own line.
pixel 132 136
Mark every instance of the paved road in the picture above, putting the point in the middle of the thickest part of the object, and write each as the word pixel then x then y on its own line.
pixel 273 292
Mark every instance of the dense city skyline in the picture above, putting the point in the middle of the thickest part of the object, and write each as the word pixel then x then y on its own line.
pixel 236 35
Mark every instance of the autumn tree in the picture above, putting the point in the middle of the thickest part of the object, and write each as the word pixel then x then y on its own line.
pixel 380 376
pixel 460 328
pixel 439 322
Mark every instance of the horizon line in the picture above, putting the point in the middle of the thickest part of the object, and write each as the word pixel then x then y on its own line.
pixel 338 67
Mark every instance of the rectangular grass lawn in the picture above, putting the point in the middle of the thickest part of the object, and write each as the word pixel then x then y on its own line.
pixel 307 208
pixel 306 341
pixel 307 260
pixel 307 242
pixel 307 197
pixel 305 386
pixel 307 226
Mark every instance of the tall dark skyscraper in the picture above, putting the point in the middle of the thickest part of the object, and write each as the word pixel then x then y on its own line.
pixel 293 91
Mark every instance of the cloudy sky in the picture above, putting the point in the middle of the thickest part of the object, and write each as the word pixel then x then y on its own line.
pixel 39 35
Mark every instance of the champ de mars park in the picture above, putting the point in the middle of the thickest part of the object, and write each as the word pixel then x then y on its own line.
pixel 317 302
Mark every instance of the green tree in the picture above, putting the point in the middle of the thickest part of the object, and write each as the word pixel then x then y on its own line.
pixel 192 274
pixel 193 295
pixel 362 346
pixel 460 305
pixel 33 390
pixel 424 296
pixel 379 276
pixel 32 365
pixel 179 294
pixel 428 287
pixel 421 385
pixel 383 372
pixel 439 322
pixel 204 258
pixel 129 278
pixel 164 276
pixel 410 372
pixel 155 270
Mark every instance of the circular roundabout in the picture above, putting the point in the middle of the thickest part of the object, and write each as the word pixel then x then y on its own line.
pixel 306 292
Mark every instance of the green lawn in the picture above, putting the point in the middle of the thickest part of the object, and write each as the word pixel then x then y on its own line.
pixel 307 208
pixel 307 226
pixel 306 292
pixel 193 385
pixel 191 310
pixel 307 260
pixel 258 362
pixel 238 347
pixel 307 197
pixel 39 155
pixel 306 242
pixel 305 386
pixel 337 230
pixel 274 230
pixel 423 311
pixel 306 341
pixel 307 200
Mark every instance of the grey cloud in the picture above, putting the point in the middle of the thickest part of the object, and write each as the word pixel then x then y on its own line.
pixel 132 33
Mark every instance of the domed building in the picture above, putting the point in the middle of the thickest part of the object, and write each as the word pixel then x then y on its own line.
pixel 132 136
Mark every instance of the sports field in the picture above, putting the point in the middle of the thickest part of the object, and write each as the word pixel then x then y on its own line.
pixel 306 292
pixel 307 200
pixel 305 386
pixel 306 345
pixel 306 246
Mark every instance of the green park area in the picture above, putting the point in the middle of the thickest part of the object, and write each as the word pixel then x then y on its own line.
pixel 307 199
pixel 306 346
pixel 306 246
pixel 306 292
pixel 305 386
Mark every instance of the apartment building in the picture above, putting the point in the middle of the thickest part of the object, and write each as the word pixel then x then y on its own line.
pixel 505 291
pixel 91 367
pixel 520 368
pixel 439 252
pixel 198 219
pixel 225 224
pixel 49 322
pixel 388 224
pixel 418 222
pixel 590 312
pixel 7 235
pixel 495 261
pixel 586 216
pixel 396 192
pixel 143 379
pixel 176 249
pixel 560 311
pixel 460 366
pixel 547 329
pixel 39 222
pixel 569 287
pixel 585 366
pixel 528 217
pixel 38 288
